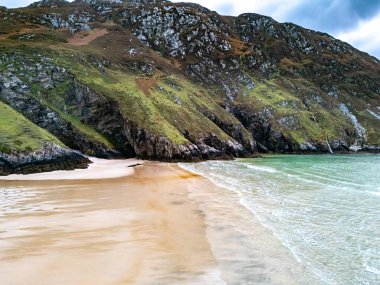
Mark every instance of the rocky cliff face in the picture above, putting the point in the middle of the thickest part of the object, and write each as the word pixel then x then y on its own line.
pixel 48 158
pixel 176 81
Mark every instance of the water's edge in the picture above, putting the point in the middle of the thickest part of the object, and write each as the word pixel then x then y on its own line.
pixel 246 250
pixel 322 209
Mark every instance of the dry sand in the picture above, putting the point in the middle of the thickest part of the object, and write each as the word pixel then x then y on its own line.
pixel 136 229
pixel 98 169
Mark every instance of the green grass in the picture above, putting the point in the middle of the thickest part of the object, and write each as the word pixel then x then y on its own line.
pixel 54 98
pixel 170 105
pixel 18 134
pixel 134 104
pixel 179 106
pixel 316 123
pixel 155 109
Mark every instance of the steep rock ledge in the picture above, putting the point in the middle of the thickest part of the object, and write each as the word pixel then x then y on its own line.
pixel 46 118
pixel 49 158
pixel 147 145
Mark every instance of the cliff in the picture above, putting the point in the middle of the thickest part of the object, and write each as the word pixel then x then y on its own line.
pixel 175 81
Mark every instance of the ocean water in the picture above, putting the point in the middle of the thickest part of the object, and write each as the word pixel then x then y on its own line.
pixel 321 210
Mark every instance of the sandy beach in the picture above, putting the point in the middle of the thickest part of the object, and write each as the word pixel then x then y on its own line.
pixel 155 223
pixel 139 228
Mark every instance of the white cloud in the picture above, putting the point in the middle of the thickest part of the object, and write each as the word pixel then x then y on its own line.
pixel 18 3
pixel 277 9
pixel 365 36
pixel 274 8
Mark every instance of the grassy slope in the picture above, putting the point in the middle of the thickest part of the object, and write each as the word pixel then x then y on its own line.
pixel 169 105
pixel 51 98
pixel 165 105
pixel 54 100
pixel 167 109
pixel 316 123
pixel 18 134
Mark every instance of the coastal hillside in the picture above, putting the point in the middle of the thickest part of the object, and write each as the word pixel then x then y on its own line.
pixel 175 81
pixel 27 148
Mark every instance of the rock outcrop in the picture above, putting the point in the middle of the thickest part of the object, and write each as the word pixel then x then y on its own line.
pixel 49 158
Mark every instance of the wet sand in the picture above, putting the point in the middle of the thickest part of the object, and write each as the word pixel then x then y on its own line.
pixel 140 228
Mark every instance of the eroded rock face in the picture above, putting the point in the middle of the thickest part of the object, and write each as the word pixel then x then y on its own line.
pixel 50 120
pixel 147 145
pixel 49 4
pixel 78 21
pixel 95 110
pixel 49 158
pixel 18 93
pixel 360 131
pixel 177 30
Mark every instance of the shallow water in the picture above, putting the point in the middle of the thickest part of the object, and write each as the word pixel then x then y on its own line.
pixel 275 220
pixel 323 209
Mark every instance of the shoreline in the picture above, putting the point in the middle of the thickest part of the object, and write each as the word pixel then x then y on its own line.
pixel 42 170
pixel 246 250
pixel 159 221
pixel 300 201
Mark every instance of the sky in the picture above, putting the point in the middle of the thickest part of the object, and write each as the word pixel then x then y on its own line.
pixel 354 21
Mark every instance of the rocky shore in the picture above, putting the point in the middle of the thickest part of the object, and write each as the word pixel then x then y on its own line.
pixel 51 157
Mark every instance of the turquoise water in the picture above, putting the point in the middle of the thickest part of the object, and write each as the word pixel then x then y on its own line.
pixel 324 209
